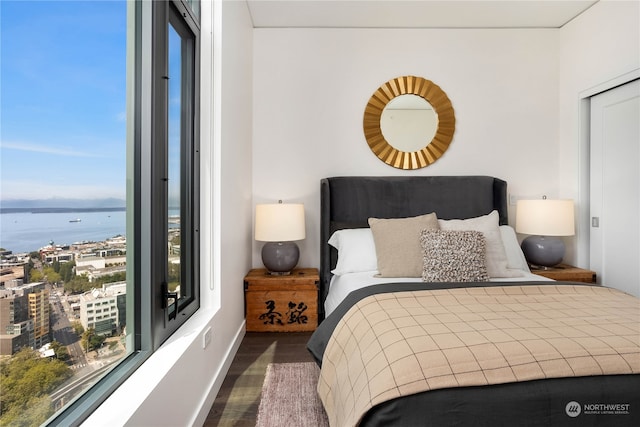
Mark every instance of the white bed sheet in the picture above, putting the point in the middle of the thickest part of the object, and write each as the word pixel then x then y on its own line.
pixel 342 285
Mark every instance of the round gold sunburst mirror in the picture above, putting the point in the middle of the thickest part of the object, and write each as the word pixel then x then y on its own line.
pixel 409 122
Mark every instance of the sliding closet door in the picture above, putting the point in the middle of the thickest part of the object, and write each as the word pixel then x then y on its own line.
pixel 615 187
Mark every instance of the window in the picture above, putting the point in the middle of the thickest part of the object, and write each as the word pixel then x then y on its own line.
pixel 174 156
pixel 162 179
pixel 163 165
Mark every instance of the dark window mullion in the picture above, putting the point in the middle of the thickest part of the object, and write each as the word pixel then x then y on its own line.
pixel 159 170
pixel 188 163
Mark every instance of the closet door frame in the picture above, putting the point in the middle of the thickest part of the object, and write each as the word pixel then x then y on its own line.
pixel 583 219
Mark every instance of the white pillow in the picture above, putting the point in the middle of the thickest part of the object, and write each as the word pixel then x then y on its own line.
pixel 356 250
pixel 490 227
pixel 515 257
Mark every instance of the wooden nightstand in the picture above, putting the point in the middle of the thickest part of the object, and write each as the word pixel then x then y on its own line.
pixel 281 303
pixel 568 273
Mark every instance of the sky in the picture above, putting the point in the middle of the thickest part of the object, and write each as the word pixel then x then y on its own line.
pixel 62 99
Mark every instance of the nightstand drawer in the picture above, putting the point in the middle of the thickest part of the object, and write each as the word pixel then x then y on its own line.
pixel 281 303
pixel 569 273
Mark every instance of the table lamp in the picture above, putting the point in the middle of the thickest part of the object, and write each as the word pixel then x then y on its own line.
pixel 279 225
pixel 544 220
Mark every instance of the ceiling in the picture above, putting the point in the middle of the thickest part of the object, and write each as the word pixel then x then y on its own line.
pixel 415 13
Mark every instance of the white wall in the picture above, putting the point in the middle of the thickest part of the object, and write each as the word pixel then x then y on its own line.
pixel 177 385
pixel 598 49
pixel 311 87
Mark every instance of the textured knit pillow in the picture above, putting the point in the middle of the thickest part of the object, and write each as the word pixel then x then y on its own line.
pixel 497 263
pixel 453 256
pixel 397 243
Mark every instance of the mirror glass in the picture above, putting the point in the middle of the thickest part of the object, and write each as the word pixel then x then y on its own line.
pixel 408 122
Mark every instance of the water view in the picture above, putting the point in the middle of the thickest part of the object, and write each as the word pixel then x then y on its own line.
pixel 29 231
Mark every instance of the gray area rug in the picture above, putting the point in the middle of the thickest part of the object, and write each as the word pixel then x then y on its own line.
pixel 289 397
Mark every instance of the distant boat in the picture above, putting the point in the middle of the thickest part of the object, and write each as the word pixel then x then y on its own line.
pixel 75 220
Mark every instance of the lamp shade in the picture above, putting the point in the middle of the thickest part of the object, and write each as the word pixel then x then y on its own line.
pixel 279 222
pixel 544 217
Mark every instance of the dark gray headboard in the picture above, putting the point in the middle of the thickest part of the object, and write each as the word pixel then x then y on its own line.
pixel 348 202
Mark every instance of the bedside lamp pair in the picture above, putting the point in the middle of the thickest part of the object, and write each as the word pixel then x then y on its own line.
pixel 545 220
pixel 280 225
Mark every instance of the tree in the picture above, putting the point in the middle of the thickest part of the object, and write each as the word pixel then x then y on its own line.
pixel 35 275
pixel 174 276
pixel 51 275
pixel 27 270
pixel 77 327
pixel 90 340
pixel 60 350
pixel 175 240
pixel 115 277
pixel 78 284
pixel 27 380
pixel 33 412
pixel 66 271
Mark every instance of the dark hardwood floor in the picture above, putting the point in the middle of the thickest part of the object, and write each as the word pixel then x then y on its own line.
pixel 238 399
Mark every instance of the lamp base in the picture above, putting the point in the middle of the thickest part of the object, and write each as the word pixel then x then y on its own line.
pixel 280 257
pixel 543 251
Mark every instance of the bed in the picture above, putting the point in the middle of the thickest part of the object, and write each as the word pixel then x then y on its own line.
pixel 459 342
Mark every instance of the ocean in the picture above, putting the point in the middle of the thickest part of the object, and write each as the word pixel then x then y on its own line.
pixel 29 231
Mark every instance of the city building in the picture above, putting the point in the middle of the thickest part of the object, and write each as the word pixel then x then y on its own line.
pixel 24 317
pixel 100 259
pixel 12 274
pixel 104 309
pixel 16 328
pixel 93 273
pixel 52 253
pixel 84 263
pixel 39 311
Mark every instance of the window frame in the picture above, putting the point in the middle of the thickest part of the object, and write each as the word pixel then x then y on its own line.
pixel 164 318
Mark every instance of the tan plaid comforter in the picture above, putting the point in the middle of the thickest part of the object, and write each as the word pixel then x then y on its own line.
pixel 397 344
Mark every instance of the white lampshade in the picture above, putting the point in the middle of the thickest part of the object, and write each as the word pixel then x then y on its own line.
pixel 279 222
pixel 544 217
